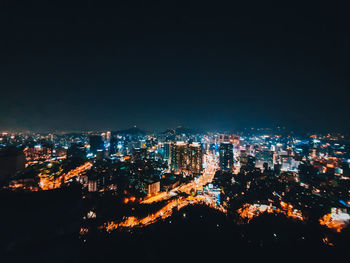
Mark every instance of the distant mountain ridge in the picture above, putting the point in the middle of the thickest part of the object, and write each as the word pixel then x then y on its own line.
pixel 183 130
pixel 131 131
pixel 178 130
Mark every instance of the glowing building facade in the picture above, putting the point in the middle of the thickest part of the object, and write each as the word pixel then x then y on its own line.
pixel 226 156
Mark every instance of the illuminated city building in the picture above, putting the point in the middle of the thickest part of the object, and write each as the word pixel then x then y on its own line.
pixel 153 188
pixel 227 138
pixel 77 149
pixel 263 157
pixel 167 152
pixel 115 145
pixel 139 153
pixel 96 143
pixel 37 153
pixel 108 136
pixel 186 157
pixel 289 163
pixel 92 185
pixel 213 192
pixel 196 158
pixel 179 156
pixel 226 156
pixel 142 144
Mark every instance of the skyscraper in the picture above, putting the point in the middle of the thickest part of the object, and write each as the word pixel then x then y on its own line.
pixel 113 148
pixel 195 151
pixel 186 157
pixel 167 152
pixel 179 156
pixel 108 136
pixel 96 143
pixel 77 149
pixel 226 156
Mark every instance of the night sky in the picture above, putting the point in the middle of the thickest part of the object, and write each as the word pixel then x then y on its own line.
pixel 160 64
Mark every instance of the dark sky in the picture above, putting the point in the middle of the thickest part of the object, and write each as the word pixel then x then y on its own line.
pixel 160 64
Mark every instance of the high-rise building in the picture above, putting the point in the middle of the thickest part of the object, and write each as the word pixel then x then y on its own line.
pixel 179 156
pixel 196 158
pixel 96 143
pixel 185 157
pixel 226 156
pixel 77 149
pixel 113 148
pixel 108 136
pixel 167 152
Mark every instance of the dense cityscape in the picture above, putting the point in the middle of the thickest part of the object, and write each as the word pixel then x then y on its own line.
pixel 98 185
pixel 186 131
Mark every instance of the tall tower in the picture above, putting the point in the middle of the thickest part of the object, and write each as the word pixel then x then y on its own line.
pixel 96 143
pixel 196 158
pixel 179 156
pixel 108 136
pixel 167 152
pixel 226 156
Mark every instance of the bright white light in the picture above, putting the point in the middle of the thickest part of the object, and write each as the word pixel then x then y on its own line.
pixel 341 216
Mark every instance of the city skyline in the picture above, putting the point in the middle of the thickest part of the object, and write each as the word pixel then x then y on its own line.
pixel 158 131
pixel 87 192
pixel 186 129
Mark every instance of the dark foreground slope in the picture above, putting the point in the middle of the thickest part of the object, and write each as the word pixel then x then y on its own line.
pixel 49 233
pixel 40 226
pixel 200 234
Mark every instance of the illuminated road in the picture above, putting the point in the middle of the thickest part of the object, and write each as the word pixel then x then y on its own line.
pixel 247 211
pixel 197 184
pixel 47 183
pixel 166 211
pixel 163 213
pixel 335 220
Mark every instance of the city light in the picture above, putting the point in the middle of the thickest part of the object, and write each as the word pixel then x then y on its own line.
pixel 185 131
